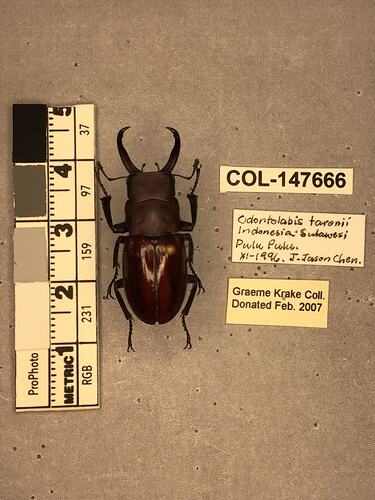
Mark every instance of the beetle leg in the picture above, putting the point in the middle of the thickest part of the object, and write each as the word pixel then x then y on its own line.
pixel 109 289
pixel 193 200
pixel 121 227
pixel 189 226
pixel 189 240
pixel 120 284
pixel 116 265
pixel 191 278
pixel 199 282
pixel 188 339
pixel 106 202
pixel 197 170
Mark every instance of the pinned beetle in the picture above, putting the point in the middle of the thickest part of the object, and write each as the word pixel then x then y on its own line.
pixel 157 258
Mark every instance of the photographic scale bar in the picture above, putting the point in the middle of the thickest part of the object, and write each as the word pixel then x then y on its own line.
pixel 55 257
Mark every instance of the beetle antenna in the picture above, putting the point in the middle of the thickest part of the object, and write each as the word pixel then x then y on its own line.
pixel 143 166
pixel 99 167
pixel 197 169
pixel 188 340
pixel 157 166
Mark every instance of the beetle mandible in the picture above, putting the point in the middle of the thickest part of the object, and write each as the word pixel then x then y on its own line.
pixel 157 258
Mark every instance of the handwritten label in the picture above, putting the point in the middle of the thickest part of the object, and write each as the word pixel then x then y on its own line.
pixel 286 180
pixel 278 302
pixel 298 238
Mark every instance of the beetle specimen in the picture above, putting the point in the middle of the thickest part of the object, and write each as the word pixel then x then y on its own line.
pixel 157 252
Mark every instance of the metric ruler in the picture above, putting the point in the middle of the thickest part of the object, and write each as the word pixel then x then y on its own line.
pixel 55 257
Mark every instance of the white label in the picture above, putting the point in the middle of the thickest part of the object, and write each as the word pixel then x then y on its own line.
pixel 278 302
pixel 298 238
pixel 286 180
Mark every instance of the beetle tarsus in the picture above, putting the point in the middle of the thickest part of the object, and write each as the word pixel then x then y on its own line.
pixel 130 345
pixel 188 339
pixel 109 292
pixel 109 295
pixel 109 289
pixel 197 171
pixel 117 285
pixel 200 286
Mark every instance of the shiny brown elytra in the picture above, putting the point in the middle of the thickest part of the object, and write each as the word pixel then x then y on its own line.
pixel 157 257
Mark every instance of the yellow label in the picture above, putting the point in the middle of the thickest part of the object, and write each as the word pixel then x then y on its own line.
pixel 286 180
pixel 63 312
pixel 32 383
pixel 88 374
pixel 85 189
pixel 62 189
pixel 61 130
pixel 298 238
pixel 64 370
pixel 32 315
pixel 278 302
pixel 86 250
pixel 63 250
pixel 85 135
pixel 87 312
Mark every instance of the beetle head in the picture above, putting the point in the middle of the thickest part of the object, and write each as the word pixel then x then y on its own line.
pixel 150 186
pixel 132 169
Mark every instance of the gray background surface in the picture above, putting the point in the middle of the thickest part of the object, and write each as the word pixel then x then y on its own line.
pixel 249 412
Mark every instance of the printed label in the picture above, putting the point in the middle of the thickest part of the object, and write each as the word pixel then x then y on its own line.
pixel 32 378
pixel 87 312
pixel 277 302
pixel 286 180
pixel 88 374
pixel 64 371
pixel 298 238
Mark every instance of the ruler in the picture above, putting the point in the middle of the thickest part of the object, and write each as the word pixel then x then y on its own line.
pixel 56 338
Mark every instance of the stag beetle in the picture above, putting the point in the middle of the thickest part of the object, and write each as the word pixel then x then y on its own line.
pixel 157 252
